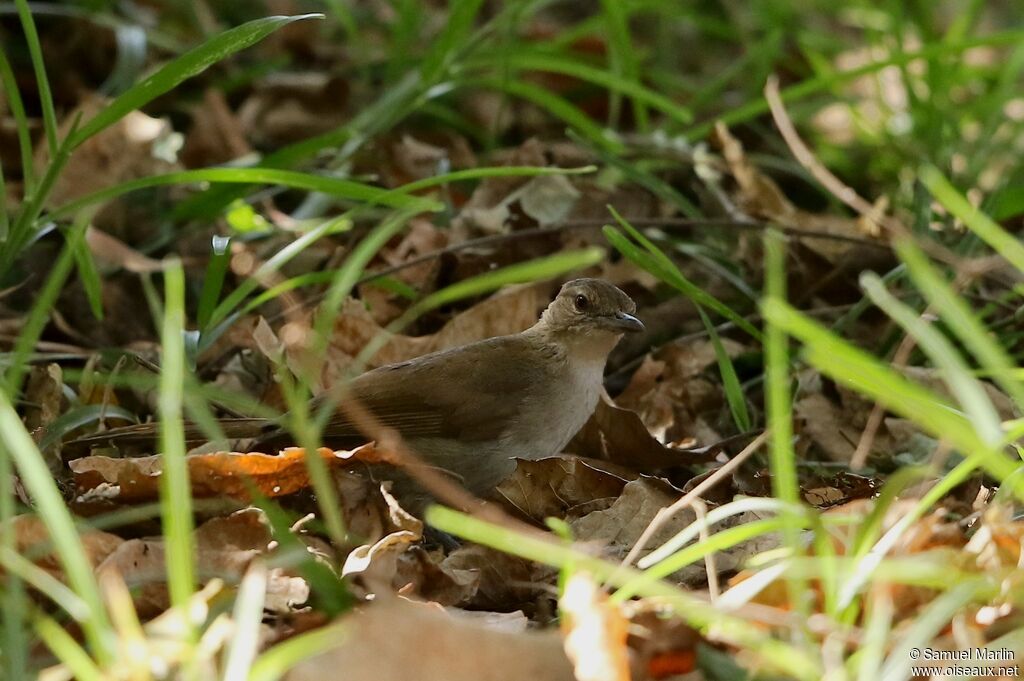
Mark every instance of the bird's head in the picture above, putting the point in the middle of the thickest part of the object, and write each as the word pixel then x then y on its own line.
pixel 591 307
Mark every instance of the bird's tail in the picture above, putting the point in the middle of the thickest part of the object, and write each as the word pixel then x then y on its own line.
pixel 147 433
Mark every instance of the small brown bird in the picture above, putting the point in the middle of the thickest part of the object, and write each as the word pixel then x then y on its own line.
pixel 474 409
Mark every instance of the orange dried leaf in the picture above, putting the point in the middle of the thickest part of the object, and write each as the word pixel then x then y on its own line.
pixel 221 474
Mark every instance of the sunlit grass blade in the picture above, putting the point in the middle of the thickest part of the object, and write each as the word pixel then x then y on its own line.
pixel 692 531
pixel 17 445
pixel 955 373
pixel 538 269
pixel 778 399
pixel 718 541
pixel 961 320
pixel 175 489
pixel 190 64
pixel 68 651
pixel 43 582
pixel 864 373
pixel 1001 241
pixel 925 627
pixel 250 284
pixel 275 663
pixel 483 173
pixel 247 617
pixel 723 626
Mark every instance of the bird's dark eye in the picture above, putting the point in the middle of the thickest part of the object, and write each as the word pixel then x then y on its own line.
pixel 581 303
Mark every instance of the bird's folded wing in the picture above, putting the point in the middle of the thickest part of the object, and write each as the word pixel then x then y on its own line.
pixel 469 394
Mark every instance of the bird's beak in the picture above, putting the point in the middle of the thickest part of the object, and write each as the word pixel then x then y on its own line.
pixel 626 322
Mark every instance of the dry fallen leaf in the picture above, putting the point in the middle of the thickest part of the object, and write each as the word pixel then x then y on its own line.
pixel 761 198
pixel 556 485
pixel 32 541
pixel 224 548
pixel 222 474
pixel 398 640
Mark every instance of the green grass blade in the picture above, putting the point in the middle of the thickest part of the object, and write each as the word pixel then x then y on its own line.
pixel 730 381
pixel 88 274
pixel 40 312
pixel 251 283
pixel 778 406
pixel 615 82
pixel 14 597
pixel 623 58
pixel 43 582
pixel 719 541
pixel 926 626
pixel 674 278
pixel 17 107
pixel 190 64
pixel 460 21
pixel 692 531
pixel 333 186
pixel 5 222
pixel 175 492
pixel 757 107
pixel 213 282
pixel 35 50
pixel 1001 241
pixel 546 267
pixel 559 107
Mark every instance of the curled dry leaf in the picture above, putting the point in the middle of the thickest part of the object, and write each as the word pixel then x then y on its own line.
pixel 397 640
pixel 222 474
pixel 595 632
pixel 396 562
pixel 504 581
pixel 620 436
pixel 557 485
